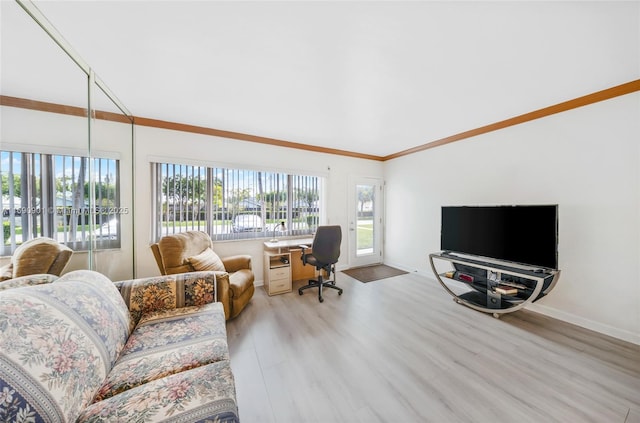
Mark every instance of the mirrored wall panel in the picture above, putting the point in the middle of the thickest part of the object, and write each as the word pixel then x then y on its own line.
pixel 66 150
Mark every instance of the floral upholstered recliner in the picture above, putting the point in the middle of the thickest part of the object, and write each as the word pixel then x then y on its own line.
pixel 84 349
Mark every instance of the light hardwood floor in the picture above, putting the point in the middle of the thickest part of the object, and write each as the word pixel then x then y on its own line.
pixel 400 350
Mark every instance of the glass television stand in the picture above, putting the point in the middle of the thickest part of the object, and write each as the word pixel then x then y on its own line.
pixel 490 286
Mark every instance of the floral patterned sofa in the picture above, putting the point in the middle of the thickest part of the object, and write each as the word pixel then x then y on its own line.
pixel 81 348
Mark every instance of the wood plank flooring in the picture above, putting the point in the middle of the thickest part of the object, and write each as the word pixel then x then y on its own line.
pixel 400 350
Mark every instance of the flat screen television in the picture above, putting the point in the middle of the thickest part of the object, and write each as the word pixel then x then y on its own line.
pixel 525 234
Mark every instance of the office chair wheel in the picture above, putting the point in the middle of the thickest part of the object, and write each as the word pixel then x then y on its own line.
pixel 321 299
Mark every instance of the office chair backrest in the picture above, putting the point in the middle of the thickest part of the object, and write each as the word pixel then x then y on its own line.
pixel 326 244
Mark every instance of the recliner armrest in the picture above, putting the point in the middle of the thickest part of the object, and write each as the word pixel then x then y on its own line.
pixel 223 289
pixel 237 262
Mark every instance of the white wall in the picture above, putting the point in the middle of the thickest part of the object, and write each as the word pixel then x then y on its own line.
pixel 174 146
pixel 586 160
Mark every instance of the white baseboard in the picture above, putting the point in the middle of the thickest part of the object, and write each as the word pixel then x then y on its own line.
pixel 406 269
pixel 554 313
pixel 605 329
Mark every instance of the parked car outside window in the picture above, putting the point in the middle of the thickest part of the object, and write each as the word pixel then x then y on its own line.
pixel 108 230
pixel 248 223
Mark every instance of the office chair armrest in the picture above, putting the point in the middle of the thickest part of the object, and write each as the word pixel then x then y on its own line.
pixel 303 252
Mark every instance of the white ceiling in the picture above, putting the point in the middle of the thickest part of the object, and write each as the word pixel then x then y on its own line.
pixel 369 77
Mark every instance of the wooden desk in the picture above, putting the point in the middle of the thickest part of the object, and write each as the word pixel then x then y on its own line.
pixel 298 269
pixel 287 244
pixel 291 246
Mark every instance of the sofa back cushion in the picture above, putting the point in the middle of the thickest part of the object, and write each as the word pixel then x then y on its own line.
pixel 57 343
pixel 153 294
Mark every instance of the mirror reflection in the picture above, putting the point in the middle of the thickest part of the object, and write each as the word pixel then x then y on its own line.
pixel 61 166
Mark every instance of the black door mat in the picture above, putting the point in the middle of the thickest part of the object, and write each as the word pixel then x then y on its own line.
pixel 373 273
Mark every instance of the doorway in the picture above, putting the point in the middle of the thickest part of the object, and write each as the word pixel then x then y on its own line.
pixel 365 221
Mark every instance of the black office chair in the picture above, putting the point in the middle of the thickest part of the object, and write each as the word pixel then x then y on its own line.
pixel 324 255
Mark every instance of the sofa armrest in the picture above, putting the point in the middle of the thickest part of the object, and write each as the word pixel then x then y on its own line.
pixel 28 280
pixel 237 262
pixel 6 272
pixel 167 292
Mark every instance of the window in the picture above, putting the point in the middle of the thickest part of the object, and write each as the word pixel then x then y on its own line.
pixel 234 203
pixel 49 195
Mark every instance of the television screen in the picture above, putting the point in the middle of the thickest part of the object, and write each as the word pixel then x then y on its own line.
pixel 521 234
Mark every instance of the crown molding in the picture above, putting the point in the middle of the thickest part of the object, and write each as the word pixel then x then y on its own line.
pixel 606 94
pixel 596 97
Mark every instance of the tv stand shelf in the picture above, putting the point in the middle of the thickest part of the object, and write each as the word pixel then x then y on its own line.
pixel 491 286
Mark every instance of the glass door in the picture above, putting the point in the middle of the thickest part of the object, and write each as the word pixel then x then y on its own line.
pixel 365 223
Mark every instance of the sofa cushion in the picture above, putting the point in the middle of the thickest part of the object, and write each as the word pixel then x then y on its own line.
pixel 58 342
pixel 168 342
pixel 167 292
pixel 206 260
pixel 203 394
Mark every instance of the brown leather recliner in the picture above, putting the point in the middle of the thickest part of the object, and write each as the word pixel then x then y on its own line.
pixel 183 252
pixel 36 256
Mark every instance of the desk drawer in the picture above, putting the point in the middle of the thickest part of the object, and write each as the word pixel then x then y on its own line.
pixel 279 285
pixel 279 273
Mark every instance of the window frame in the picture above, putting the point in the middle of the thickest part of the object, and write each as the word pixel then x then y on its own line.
pixel 212 211
pixel 39 210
